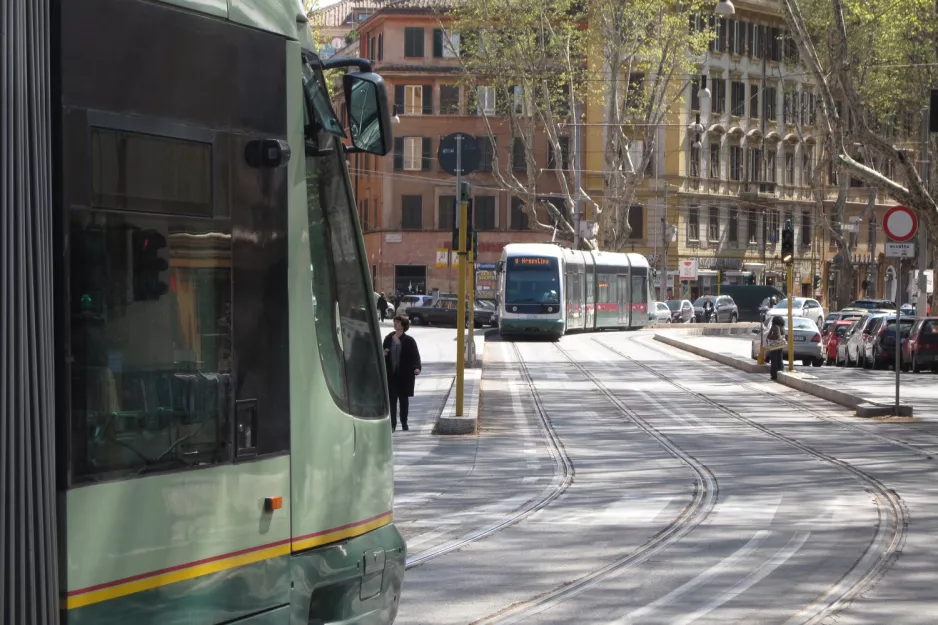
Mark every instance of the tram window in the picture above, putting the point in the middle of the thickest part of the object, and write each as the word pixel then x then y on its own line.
pixel 639 289
pixel 150 343
pixel 149 173
pixel 343 308
pixel 606 293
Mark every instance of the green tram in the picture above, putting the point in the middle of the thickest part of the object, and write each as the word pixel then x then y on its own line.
pixel 547 290
pixel 224 449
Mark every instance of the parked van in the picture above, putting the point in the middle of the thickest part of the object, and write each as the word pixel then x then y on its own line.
pixel 749 298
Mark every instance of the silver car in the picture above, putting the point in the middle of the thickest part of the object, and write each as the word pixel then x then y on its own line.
pixel 806 335
pixel 662 313
pixel 801 307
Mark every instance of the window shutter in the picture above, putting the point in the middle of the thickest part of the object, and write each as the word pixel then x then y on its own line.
pixel 437 43
pixel 427 99
pixel 398 153
pixel 381 46
pixel 399 97
pixel 427 146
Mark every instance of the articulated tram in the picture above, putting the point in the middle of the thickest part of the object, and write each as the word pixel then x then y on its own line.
pixel 224 447
pixel 548 290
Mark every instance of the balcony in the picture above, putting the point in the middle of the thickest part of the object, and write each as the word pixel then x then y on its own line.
pixel 758 190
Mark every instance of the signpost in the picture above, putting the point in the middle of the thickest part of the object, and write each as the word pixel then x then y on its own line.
pixel 900 224
pixel 459 155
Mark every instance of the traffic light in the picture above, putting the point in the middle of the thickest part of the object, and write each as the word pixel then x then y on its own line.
pixel 788 243
pixel 817 281
pixel 751 279
pixel 148 265
pixel 456 224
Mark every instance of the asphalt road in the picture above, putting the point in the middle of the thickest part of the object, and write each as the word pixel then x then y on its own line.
pixel 618 480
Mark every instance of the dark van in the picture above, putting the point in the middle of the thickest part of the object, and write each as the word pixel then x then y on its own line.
pixel 749 297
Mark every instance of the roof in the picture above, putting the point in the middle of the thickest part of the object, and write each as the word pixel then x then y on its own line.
pixel 539 249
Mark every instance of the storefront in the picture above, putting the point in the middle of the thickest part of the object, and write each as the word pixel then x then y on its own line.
pixel 410 279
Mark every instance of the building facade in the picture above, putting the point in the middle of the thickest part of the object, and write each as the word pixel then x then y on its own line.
pixel 730 170
pixel 405 199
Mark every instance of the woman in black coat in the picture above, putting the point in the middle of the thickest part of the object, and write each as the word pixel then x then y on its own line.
pixel 402 362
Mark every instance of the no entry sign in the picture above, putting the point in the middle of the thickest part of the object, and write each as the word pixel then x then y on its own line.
pixel 900 223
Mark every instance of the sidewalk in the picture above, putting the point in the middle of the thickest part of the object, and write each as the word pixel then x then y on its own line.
pixel 871 393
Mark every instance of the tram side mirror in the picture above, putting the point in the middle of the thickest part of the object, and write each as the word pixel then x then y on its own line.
pixel 366 99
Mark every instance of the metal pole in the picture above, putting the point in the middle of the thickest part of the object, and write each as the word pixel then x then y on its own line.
pixel 461 304
pixel 898 334
pixel 663 278
pixel 791 340
pixel 577 200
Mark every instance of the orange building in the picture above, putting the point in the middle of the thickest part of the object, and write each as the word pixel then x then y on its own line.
pixel 405 200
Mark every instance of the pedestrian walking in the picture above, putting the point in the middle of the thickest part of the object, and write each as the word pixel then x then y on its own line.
pixel 383 306
pixel 402 361
pixel 774 344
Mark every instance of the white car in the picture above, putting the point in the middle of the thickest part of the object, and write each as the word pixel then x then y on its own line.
pixel 800 307
pixel 806 335
pixel 662 313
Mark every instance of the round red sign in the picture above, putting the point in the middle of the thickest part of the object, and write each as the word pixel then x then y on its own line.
pixel 900 223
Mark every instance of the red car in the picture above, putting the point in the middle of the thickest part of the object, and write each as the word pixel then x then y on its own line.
pixel 921 349
pixel 832 337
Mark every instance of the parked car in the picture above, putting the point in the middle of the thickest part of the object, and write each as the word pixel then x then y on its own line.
pixel 844 315
pixel 831 337
pixel 682 311
pixel 662 313
pixel 874 304
pixel 443 313
pixel 853 343
pixel 806 338
pixel 490 314
pixel 880 347
pixel 724 309
pixel 800 307
pixel 921 348
pixel 413 300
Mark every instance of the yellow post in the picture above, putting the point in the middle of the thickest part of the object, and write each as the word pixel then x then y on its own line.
pixel 472 299
pixel 461 305
pixel 791 340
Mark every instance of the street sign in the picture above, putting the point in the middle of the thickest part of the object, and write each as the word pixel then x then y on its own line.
pixel 446 154
pixel 900 223
pixel 900 250
pixel 688 270
pixel 442 257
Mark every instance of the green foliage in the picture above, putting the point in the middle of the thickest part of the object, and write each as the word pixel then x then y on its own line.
pixel 891 51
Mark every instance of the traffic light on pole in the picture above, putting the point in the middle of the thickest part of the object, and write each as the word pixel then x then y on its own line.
pixel 788 243
pixel 456 225
pixel 148 265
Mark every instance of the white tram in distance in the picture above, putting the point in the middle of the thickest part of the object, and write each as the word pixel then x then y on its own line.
pixel 547 290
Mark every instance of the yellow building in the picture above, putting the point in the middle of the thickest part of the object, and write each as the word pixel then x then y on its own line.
pixel 724 204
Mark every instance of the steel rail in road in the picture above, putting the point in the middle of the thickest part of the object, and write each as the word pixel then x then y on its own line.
pixel 561 480
pixel 891 527
pixel 726 374
pixel 703 500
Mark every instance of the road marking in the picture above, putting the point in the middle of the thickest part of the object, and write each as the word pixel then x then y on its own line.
pixel 726 563
pixel 780 557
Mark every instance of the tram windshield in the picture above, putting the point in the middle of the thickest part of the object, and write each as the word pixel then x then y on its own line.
pixel 532 280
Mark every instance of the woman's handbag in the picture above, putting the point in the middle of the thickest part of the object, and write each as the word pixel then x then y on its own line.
pixel 775 340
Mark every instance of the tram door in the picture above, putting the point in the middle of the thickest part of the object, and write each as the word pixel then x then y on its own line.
pixel 622 295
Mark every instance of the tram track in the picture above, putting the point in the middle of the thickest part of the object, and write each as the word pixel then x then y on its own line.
pixel 704 497
pixel 564 472
pixel 891 527
pixel 918 450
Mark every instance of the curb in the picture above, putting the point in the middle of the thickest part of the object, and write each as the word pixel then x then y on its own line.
pixel 798 381
pixel 448 424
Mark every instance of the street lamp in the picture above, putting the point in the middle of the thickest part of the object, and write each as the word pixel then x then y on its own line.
pixel 696 128
pixel 703 92
pixel 395 119
pixel 725 7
